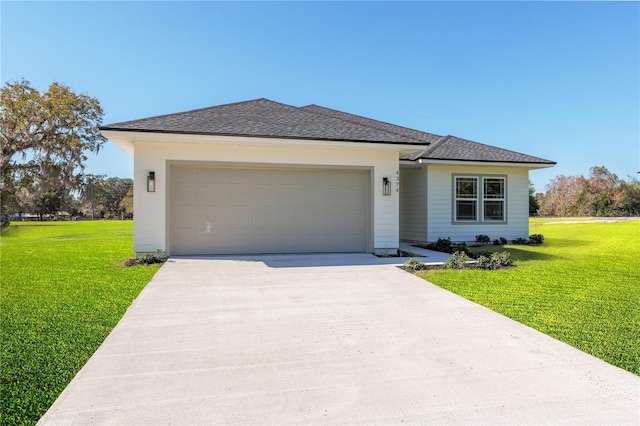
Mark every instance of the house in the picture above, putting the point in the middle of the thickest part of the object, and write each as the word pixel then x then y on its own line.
pixel 264 177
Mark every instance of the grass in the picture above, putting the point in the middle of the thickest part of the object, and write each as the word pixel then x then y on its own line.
pixel 582 286
pixel 62 291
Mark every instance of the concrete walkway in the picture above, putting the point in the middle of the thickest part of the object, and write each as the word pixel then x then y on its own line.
pixel 330 339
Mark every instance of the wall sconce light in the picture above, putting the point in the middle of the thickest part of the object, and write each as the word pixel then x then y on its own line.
pixel 151 182
pixel 386 186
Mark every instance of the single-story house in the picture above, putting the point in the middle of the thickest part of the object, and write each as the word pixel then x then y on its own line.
pixel 264 177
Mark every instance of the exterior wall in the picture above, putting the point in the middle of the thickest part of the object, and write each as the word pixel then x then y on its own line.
pixel 151 228
pixel 413 203
pixel 440 204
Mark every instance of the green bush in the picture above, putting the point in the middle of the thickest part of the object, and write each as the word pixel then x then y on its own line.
pixel 536 239
pixel 482 239
pixel 483 262
pixel 442 244
pixel 495 260
pixel 502 258
pixel 457 260
pixel 414 265
pixel 520 241
pixel 151 258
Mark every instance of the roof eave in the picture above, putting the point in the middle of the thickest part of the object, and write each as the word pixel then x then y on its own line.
pixel 528 165
pixel 126 138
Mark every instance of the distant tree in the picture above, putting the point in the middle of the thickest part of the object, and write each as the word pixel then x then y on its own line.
pixel 101 197
pixel 534 206
pixel 561 197
pixel 49 203
pixel 114 190
pixel 91 195
pixel 126 204
pixel 601 193
pixel 45 139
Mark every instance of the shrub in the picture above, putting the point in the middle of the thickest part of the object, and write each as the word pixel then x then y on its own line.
pixel 4 221
pixel 496 242
pixel 536 239
pixel 457 260
pixel 503 241
pixel 150 258
pixel 443 245
pixel 483 262
pixel 461 247
pixel 482 239
pixel 502 258
pixel 520 241
pixel 414 265
pixel 495 260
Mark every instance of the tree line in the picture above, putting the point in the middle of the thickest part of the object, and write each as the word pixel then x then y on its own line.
pixel 601 193
pixel 45 139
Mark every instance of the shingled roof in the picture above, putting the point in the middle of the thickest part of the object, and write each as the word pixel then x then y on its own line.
pixel 266 118
pixel 454 148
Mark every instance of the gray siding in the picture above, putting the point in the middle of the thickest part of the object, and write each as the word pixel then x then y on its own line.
pixel 413 204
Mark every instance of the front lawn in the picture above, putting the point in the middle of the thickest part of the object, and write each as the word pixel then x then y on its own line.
pixel 62 292
pixel 582 286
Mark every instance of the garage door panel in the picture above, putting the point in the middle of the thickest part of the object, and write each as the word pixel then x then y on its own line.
pixel 263 221
pixel 261 177
pixel 184 175
pixel 186 197
pixel 210 197
pixel 209 176
pixel 219 210
pixel 236 176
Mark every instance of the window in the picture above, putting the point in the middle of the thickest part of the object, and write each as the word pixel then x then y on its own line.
pixel 466 199
pixel 475 203
pixel 493 200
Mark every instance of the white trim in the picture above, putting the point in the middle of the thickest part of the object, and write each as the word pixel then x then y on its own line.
pixel 126 140
pixel 530 166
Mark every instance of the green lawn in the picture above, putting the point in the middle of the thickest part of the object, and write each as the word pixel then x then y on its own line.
pixel 62 291
pixel 582 286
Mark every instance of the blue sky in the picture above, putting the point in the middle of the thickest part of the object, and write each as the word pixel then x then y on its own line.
pixel 559 80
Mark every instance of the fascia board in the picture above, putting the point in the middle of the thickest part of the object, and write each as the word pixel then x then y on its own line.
pixel 126 139
pixel 530 166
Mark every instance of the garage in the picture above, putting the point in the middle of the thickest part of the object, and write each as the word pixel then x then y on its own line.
pixel 241 210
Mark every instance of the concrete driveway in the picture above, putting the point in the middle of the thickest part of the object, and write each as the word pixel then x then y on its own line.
pixel 331 339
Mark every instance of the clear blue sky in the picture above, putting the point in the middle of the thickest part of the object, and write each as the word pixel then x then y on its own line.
pixel 559 80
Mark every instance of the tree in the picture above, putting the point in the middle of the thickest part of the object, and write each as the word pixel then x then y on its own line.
pixel 102 197
pixel 533 201
pixel 561 197
pixel 45 139
pixel 602 193
pixel 126 204
pixel 115 189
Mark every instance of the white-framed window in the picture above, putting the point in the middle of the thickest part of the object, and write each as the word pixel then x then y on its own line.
pixel 493 199
pixel 466 199
pixel 479 199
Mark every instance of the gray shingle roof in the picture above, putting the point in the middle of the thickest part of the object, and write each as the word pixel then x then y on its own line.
pixel 265 118
pixel 387 127
pixel 454 148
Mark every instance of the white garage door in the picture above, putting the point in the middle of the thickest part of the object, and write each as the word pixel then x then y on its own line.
pixel 226 210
